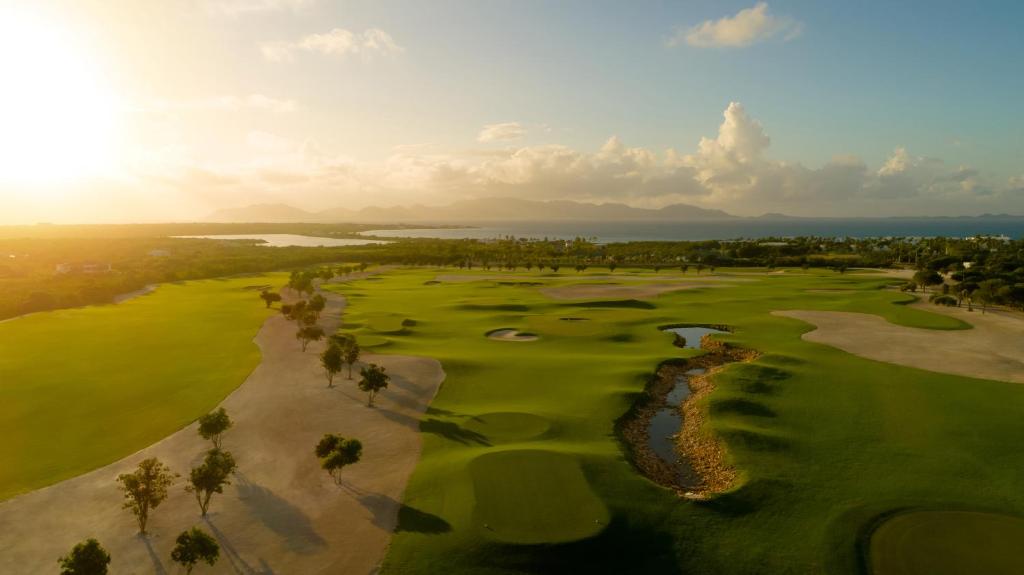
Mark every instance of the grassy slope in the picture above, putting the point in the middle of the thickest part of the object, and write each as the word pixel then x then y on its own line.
pixel 82 387
pixel 833 440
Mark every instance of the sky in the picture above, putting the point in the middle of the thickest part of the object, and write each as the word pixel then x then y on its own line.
pixel 166 110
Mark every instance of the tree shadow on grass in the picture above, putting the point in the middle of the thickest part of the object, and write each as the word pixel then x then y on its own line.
pixel 280 516
pixel 453 431
pixel 747 499
pixel 416 521
pixel 238 564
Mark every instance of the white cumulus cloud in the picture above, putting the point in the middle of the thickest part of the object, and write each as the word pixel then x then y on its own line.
pixel 746 27
pixel 339 42
pixel 501 132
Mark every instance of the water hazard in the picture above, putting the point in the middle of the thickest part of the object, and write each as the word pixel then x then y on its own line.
pixel 690 336
pixel 666 424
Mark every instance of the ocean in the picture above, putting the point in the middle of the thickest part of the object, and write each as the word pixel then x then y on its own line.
pixel 609 232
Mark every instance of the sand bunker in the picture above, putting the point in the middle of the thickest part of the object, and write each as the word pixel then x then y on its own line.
pixel 282 513
pixel 510 334
pixel 613 291
pixel 992 350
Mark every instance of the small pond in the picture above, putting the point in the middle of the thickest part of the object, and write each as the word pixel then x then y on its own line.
pixel 692 334
pixel 667 422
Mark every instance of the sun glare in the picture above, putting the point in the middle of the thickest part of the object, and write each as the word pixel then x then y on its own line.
pixel 57 114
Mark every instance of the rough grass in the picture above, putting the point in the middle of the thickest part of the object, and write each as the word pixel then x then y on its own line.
pixel 825 441
pixel 80 388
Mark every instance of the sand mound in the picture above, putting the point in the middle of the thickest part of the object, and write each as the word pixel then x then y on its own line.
pixel 510 334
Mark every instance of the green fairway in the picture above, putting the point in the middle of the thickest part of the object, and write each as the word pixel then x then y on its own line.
pixel 948 543
pixel 83 387
pixel 523 434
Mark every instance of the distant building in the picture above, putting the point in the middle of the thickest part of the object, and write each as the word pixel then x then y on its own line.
pixel 83 268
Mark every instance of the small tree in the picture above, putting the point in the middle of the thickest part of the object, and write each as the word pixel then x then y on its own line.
pixel 612 266
pixel 373 380
pixel 286 310
pixel 210 477
pixel 270 297
pixel 309 333
pixel 86 558
pixel 988 293
pixel 316 304
pixel 700 268
pixel 309 318
pixel 145 489
pixel 926 278
pixel 335 452
pixel 213 425
pixel 193 546
pixel 683 268
pixel 332 361
pixel 554 268
pixel 350 353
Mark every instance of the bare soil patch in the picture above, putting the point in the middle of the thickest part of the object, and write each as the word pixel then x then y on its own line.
pixel 282 513
pixel 992 350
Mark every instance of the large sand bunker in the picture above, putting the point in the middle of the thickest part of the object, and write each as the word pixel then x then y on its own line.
pixel 992 350
pixel 282 513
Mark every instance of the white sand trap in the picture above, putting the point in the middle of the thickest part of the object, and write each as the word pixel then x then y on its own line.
pixel 992 350
pixel 509 334
pixel 282 513
pixel 613 291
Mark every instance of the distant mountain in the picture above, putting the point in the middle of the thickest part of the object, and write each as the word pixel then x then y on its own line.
pixel 470 211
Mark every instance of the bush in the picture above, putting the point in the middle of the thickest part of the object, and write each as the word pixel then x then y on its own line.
pixel 946 300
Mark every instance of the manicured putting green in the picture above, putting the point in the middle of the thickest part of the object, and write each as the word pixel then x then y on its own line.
pixel 948 543
pixel 509 426
pixel 80 388
pixel 563 507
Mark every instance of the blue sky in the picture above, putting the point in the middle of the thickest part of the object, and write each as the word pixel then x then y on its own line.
pixel 874 108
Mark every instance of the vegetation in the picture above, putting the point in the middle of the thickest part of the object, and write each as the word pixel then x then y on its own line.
pixel 308 334
pixel 350 353
pixel 210 477
pixel 270 297
pixel 145 489
pixel 85 558
pixel 189 345
pixel 193 546
pixel 374 379
pixel 332 361
pixel 213 425
pixel 336 452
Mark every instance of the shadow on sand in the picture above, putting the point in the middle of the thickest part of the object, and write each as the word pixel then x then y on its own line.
pixel 280 516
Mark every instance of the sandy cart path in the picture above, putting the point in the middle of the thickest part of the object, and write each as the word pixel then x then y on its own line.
pixel 993 349
pixel 282 514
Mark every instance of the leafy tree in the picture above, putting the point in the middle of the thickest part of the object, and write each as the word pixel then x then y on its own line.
pixel 298 310
pixel 270 297
pixel 86 558
pixel 374 379
pixel 988 293
pixel 332 360
pixel 286 310
pixel 210 477
pixel 684 268
pixel 309 333
pixel 700 268
pixel 926 277
pixel 213 425
pixel 657 268
pixel 554 268
pixel 350 353
pixel 611 267
pixel 309 318
pixel 316 304
pixel 145 489
pixel 336 452
pixel 193 546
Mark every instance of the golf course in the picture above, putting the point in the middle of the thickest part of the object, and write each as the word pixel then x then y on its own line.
pixel 839 463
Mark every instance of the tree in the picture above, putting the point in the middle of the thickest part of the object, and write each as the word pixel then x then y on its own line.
pixel 700 268
pixel 350 353
pixel 335 452
pixel 145 489
pixel 193 546
pixel 926 277
pixel 269 297
pixel 309 318
pixel 298 310
pixel 373 380
pixel 213 425
pixel 332 361
pixel 611 267
pixel 554 268
pixel 309 333
pixel 683 268
pixel 210 477
pixel 988 293
pixel 86 558
pixel 316 304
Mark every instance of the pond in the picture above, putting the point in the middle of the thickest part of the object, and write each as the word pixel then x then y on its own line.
pixel 288 240
pixel 667 422
pixel 692 334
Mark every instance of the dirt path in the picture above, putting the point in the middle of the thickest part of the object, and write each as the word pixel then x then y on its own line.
pixel 282 514
pixel 992 350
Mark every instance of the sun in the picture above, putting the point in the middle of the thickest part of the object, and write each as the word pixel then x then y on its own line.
pixel 58 116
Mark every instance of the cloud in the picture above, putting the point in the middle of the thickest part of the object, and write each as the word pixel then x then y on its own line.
pixel 240 7
pixel 220 104
pixel 748 26
pixel 339 42
pixel 501 132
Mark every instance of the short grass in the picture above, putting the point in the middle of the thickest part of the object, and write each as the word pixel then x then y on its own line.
pixel 826 442
pixel 80 388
